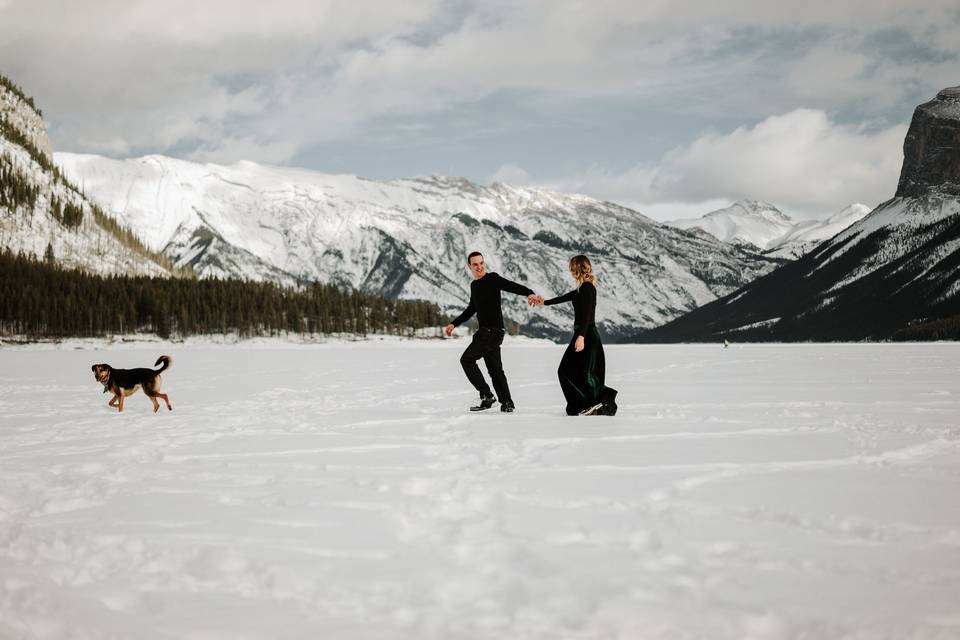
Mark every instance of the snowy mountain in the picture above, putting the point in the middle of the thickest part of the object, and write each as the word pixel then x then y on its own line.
pixel 761 227
pixel 753 224
pixel 807 234
pixel 409 238
pixel 43 214
pixel 899 265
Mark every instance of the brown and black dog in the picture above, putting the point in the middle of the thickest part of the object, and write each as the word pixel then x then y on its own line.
pixel 124 382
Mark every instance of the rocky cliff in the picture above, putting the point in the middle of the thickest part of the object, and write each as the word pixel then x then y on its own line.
pixel 18 111
pixel 931 150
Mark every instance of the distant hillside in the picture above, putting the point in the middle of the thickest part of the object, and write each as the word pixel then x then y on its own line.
pixel 761 227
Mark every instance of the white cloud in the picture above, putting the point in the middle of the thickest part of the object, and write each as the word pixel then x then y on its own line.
pixel 512 174
pixel 800 161
pixel 208 79
pixel 155 75
pixel 230 150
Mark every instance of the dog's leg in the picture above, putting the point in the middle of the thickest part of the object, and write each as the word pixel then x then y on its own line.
pixel 113 401
pixel 121 401
pixel 165 399
pixel 153 399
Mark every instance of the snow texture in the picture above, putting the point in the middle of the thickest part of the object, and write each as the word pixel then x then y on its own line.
pixel 343 490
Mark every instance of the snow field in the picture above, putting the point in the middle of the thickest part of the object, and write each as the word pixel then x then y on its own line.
pixel 343 490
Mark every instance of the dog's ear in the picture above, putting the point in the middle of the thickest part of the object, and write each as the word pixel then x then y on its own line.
pixel 94 367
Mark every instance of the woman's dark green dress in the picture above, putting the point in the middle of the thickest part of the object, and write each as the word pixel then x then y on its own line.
pixel 582 374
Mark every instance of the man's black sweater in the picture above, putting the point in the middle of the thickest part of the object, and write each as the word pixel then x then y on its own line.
pixel 485 300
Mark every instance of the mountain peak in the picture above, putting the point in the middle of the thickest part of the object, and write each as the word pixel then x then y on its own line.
pixel 760 225
pixel 757 209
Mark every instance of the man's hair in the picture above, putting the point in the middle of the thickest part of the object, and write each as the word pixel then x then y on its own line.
pixel 472 254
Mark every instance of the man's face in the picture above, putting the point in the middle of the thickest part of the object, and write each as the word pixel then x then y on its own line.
pixel 476 267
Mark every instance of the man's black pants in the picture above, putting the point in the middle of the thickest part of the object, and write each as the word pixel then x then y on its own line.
pixel 486 344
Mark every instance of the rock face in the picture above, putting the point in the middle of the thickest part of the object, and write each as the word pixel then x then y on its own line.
pixel 15 110
pixel 897 267
pixel 931 150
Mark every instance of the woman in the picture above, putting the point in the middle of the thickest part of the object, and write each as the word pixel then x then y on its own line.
pixel 581 369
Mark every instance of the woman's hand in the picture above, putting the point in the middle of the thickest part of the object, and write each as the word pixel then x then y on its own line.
pixel 578 345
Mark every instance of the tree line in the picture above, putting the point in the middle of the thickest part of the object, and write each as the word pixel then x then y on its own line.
pixel 43 300
pixel 940 329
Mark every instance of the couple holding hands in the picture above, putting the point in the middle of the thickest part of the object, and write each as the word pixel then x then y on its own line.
pixel 581 370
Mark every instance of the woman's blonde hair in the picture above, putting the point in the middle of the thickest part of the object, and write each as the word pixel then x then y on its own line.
pixel 582 270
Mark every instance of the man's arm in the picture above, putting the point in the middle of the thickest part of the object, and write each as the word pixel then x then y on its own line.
pixel 460 319
pixel 466 315
pixel 513 287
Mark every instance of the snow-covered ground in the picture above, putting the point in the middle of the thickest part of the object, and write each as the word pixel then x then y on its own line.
pixel 342 491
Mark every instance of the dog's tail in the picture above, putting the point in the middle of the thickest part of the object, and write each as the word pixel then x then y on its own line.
pixel 167 363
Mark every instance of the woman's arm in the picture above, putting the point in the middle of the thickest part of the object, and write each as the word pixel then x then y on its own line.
pixel 567 297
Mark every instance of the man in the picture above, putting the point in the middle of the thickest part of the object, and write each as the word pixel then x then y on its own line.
pixel 485 302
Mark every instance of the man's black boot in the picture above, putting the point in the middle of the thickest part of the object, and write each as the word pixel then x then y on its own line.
pixel 507 407
pixel 485 403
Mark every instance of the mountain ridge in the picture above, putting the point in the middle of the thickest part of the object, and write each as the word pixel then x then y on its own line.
pixel 409 237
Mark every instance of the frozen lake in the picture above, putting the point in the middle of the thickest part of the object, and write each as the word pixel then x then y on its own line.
pixel 343 491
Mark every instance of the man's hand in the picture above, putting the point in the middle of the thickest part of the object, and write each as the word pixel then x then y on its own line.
pixel 534 300
pixel 578 345
pixel 448 330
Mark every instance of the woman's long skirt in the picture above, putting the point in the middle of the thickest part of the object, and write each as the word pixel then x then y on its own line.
pixel 582 376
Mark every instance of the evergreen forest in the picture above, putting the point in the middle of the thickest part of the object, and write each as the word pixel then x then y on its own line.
pixel 40 299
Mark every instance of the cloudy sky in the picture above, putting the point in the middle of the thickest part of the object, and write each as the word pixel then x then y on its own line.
pixel 672 107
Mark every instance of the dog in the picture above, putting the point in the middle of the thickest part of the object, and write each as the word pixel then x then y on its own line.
pixel 125 382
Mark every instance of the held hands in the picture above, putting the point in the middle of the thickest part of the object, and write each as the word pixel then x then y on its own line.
pixel 448 330
pixel 578 345
pixel 534 300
